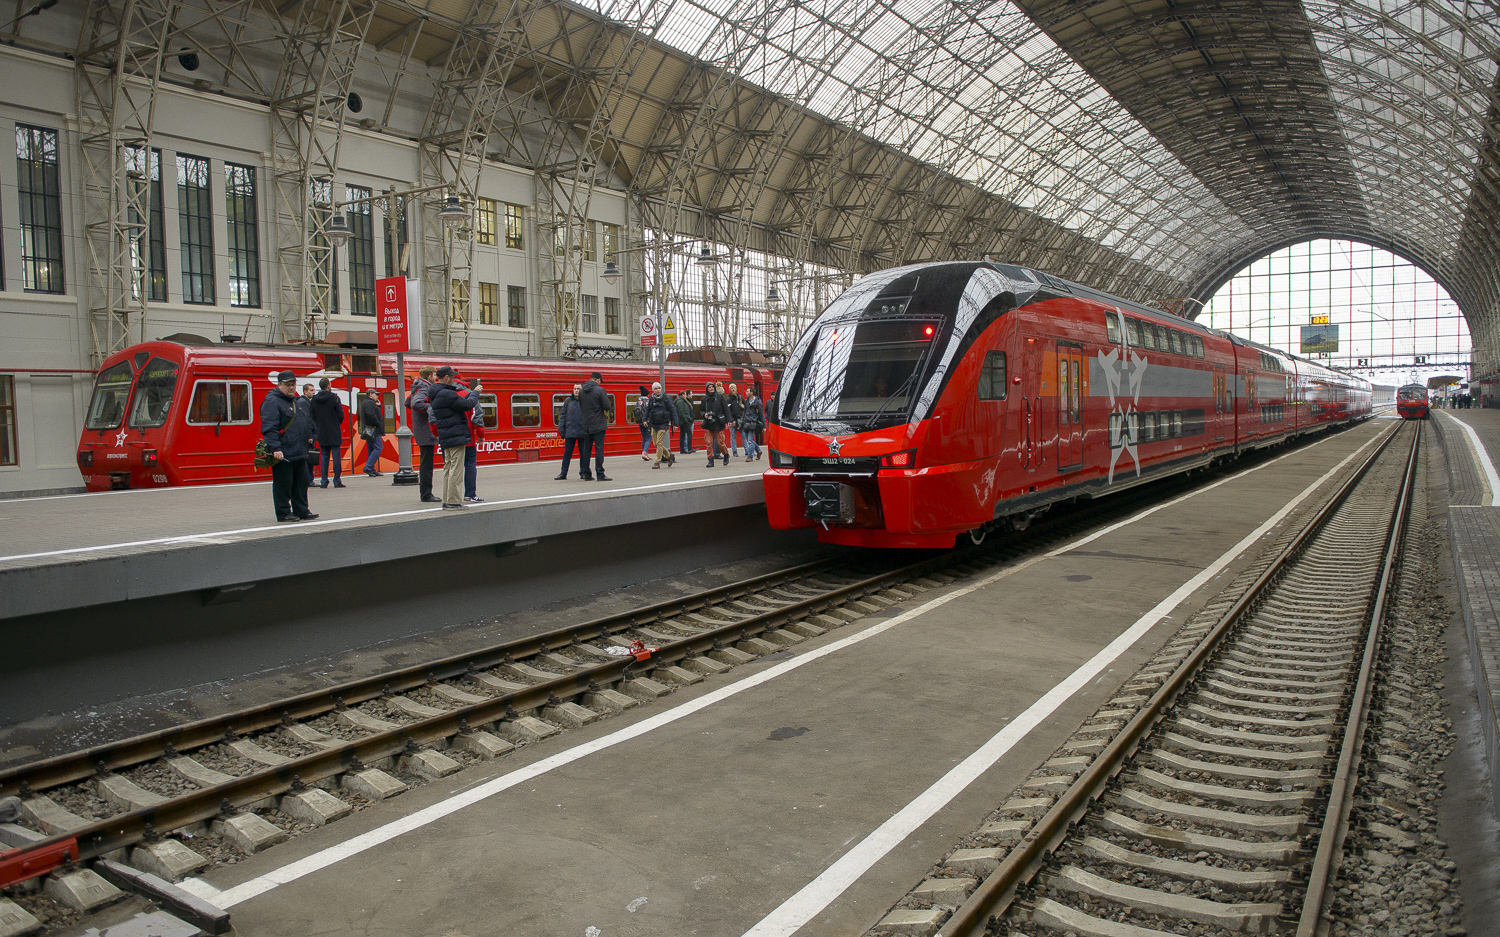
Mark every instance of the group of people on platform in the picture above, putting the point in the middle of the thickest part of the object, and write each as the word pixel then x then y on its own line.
pixel 304 431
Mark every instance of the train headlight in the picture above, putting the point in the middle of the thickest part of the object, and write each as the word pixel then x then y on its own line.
pixel 904 459
pixel 86 458
pixel 783 460
pixel 148 457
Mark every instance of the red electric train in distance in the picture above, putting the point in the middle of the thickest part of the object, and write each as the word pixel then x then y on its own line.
pixel 1411 401
pixel 942 400
pixel 187 411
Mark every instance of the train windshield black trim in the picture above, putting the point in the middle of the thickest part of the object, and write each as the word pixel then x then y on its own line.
pixel 111 390
pixel 864 371
pixel 1412 392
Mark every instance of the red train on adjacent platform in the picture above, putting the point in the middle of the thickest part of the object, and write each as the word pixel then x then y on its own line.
pixel 1411 401
pixel 947 399
pixel 188 412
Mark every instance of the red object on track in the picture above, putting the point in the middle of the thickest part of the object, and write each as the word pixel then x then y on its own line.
pixel 18 865
pixel 947 399
pixel 168 413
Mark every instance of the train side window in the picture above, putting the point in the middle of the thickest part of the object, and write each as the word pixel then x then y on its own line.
pixel 558 402
pixel 1198 345
pixel 630 403
pixel 613 413
pixel 1062 390
pixel 1162 342
pixel 489 404
pixel 111 391
pixel 1133 331
pixel 216 402
pixel 153 395
pixel 1115 426
pixel 525 410
pixel 1113 325
pixel 1174 339
pixel 1077 395
pixel 1176 423
pixel 992 377
pixel 1148 336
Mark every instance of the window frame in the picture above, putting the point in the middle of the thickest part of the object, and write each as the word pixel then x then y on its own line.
pixel 987 375
pixel 138 396
pixel 195 229
pixel 515 226
pixel 557 410
pixel 611 315
pixel 489 303
pixel 515 313
pixel 39 198
pixel 489 404
pixel 526 399
pixel 228 402
pixel 10 453
pixel 485 221
pixel 361 253
pixel 242 231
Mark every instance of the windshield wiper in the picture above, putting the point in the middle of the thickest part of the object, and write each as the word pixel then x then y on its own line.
pixel 900 392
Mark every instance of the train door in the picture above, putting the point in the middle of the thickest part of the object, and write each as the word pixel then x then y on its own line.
pixel 1069 407
pixel 1223 404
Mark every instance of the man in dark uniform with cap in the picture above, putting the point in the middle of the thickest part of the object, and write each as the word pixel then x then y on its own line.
pixel 287 426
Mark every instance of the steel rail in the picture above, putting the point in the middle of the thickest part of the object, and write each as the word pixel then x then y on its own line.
pixel 105 836
pixel 996 893
pixel 75 766
pixel 1321 877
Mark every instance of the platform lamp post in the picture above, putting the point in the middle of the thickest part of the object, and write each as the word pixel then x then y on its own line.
pixel 453 216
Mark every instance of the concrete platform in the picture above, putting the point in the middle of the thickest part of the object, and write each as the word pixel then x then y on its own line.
pixel 1471 441
pixel 76 551
pixel 837 772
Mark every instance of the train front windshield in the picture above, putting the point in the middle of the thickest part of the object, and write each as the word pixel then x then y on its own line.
pixel 111 392
pixel 1412 393
pixel 863 371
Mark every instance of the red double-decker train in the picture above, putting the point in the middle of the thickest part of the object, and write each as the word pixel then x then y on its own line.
pixel 947 399
pixel 187 412
pixel 1412 402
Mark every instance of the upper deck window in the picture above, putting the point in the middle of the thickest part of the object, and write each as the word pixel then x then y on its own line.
pixel 111 391
pixel 153 396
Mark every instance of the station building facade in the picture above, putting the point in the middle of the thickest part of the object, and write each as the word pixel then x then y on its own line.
pixel 210 261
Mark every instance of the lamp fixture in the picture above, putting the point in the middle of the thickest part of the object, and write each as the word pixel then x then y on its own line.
pixel 773 298
pixel 452 213
pixel 338 231
pixel 706 257
pixel 611 271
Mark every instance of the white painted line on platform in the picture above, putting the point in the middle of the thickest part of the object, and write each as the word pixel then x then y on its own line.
pixel 324 858
pixel 818 894
pixel 1482 456
pixel 303 525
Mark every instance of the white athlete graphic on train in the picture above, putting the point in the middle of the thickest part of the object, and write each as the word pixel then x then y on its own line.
pixel 1122 379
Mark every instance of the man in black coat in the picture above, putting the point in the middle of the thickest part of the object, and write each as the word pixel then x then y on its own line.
pixel 287 427
pixel 421 433
pixel 372 430
pixel 328 417
pixel 448 416
pixel 598 412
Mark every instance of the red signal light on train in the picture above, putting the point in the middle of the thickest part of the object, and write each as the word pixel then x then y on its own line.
pixel 927 331
pixel 899 459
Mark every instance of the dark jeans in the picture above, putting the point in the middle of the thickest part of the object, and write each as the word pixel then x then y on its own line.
pixel 685 439
pixel 471 472
pixel 583 465
pixel 645 438
pixel 594 442
pixel 376 447
pixel 424 472
pixel 330 454
pixel 289 481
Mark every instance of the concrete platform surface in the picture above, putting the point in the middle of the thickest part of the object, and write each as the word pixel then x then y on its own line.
pixel 1471 440
pixel 802 775
pixel 74 551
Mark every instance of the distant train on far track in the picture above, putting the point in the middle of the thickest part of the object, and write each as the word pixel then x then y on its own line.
pixel 943 400
pixel 187 412
pixel 1412 402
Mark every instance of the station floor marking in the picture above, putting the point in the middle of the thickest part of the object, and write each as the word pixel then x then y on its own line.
pixel 292 529
pixel 1481 456
pixel 818 894
pixel 228 898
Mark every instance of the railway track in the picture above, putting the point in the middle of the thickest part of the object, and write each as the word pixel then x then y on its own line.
pixel 1220 798
pixel 311 759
